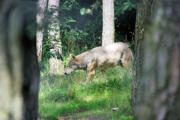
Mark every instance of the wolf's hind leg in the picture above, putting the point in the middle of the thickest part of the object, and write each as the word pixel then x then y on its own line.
pixel 126 64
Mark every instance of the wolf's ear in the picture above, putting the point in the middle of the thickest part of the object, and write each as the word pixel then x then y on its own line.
pixel 72 56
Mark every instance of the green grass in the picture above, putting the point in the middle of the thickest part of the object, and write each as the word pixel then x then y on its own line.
pixel 72 98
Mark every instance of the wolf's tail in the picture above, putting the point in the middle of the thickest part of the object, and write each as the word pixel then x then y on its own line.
pixel 132 56
pixel 131 60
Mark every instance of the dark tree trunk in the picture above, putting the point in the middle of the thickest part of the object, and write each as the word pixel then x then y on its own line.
pixel 19 72
pixel 30 63
pixel 143 13
pixel 156 87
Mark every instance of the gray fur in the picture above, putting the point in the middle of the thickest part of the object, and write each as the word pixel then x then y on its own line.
pixel 102 58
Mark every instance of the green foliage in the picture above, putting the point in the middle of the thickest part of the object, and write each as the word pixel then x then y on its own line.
pixel 71 97
pixel 82 11
pixel 81 24
pixel 71 40
pixel 121 6
pixel 68 4
pixel 127 6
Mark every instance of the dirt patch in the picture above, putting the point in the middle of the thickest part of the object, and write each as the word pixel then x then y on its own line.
pixel 88 117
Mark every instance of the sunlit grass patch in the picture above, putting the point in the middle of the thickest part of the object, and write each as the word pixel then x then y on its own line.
pixel 71 97
pixel 54 110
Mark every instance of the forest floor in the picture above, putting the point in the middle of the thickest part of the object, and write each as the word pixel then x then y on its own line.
pixel 70 98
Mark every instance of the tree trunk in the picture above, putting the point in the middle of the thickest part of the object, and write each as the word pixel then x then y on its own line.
pixel 108 22
pixel 143 13
pixel 40 18
pixel 19 73
pixel 30 63
pixel 158 85
pixel 56 65
pixel 11 100
pixel 54 28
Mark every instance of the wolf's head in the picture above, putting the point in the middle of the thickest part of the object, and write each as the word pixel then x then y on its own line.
pixel 72 65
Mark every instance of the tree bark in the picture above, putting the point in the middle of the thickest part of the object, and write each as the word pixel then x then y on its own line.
pixel 56 65
pixel 10 63
pixel 40 18
pixel 19 72
pixel 142 18
pixel 30 66
pixel 108 22
pixel 54 27
pixel 158 92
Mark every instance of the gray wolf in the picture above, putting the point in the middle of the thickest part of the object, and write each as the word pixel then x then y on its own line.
pixel 102 58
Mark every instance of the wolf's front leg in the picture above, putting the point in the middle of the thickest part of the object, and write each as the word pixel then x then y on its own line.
pixel 104 75
pixel 90 75
pixel 91 70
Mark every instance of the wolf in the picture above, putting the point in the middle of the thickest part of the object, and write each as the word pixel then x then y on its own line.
pixel 102 58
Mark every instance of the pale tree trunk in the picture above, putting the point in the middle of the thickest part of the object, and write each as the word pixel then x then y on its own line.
pixel 108 22
pixel 19 73
pixel 160 79
pixel 11 100
pixel 56 65
pixel 40 18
